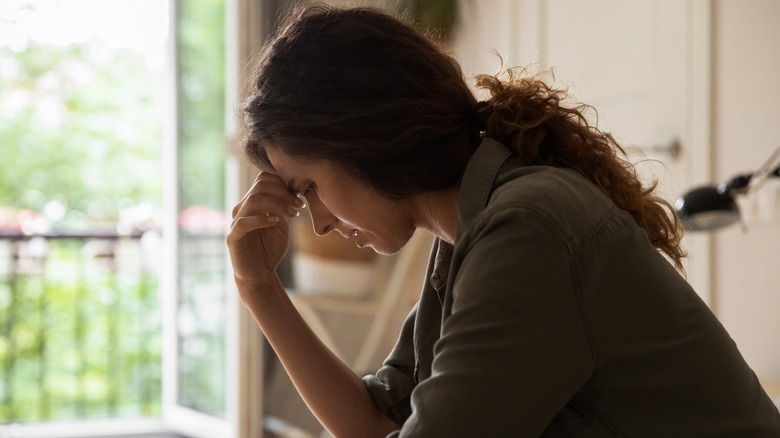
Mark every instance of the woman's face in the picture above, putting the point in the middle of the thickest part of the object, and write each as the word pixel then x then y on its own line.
pixel 338 201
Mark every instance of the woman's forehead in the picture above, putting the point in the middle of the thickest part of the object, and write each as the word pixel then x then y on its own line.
pixel 294 169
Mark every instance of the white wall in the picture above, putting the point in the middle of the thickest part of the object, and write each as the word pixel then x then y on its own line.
pixel 742 270
pixel 746 130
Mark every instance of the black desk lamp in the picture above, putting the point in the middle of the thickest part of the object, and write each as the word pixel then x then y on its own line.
pixel 711 207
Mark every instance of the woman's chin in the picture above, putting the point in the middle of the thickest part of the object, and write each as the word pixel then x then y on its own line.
pixel 381 245
pixel 383 248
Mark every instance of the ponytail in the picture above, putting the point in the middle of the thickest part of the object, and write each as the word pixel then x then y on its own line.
pixel 528 115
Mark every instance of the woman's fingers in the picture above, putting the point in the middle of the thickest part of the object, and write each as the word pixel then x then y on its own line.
pixel 276 185
pixel 258 203
pixel 265 181
pixel 268 196
pixel 246 224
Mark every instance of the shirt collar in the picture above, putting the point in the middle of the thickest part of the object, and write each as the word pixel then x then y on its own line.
pixel 441 264
pixel 476 187
pixel 478 180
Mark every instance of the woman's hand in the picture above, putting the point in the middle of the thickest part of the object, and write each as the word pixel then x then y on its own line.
pixel 257 242
pixel 259 234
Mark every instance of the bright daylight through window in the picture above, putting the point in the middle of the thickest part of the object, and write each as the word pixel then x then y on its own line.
pixel 85 107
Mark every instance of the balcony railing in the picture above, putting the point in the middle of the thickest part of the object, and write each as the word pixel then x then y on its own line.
pixel 79 326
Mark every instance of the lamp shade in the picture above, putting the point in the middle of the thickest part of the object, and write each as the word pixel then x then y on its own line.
pixel 707 208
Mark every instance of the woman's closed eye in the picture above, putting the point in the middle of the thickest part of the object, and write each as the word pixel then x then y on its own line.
pixel 308 189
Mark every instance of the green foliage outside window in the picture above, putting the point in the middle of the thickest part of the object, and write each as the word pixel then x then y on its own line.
pixel 81 141
pixel 81 136
pixel 201 109
pixel 201 166
pixel 81 125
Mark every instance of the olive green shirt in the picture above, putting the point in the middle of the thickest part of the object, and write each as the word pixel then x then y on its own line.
pixel 553 315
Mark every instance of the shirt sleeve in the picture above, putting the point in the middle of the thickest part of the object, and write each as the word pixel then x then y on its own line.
pixel 514 349
pixel 391 387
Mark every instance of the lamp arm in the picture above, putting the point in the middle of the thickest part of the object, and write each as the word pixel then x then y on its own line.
pixel 769 169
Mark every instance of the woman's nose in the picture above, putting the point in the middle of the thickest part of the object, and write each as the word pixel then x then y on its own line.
pixel 321 218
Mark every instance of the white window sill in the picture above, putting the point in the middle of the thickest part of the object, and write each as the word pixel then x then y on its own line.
pixel 105 428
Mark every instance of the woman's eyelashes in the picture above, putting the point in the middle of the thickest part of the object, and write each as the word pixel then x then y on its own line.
pixel 301 194
pixel 308 189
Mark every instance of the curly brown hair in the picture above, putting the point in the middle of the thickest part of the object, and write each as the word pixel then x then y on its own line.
pixel 530 115
pixel 362 88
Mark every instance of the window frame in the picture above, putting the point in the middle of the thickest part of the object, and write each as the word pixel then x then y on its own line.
pixel 244 341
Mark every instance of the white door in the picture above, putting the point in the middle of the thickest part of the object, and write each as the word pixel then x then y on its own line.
pixel 643 65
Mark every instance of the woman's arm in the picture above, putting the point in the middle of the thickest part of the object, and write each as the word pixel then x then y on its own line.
pixel 333 392
pixel 258 238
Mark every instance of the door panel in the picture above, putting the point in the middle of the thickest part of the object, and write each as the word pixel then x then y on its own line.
pixel 634 62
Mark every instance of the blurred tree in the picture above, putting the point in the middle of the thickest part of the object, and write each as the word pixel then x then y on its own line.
pixel 81 138
pixel 201 166
pixel 201 103
pixel 82 126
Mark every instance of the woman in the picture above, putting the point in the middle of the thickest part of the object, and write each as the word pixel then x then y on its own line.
pixel 549 309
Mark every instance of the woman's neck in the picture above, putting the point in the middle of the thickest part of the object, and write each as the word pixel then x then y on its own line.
pixel 437 213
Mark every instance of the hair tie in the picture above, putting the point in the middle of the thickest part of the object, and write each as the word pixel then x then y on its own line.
pixel 477 116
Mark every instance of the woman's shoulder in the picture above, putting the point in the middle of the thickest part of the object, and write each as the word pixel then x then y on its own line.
pixel 555 198
pixel 500 193
pixel 549 191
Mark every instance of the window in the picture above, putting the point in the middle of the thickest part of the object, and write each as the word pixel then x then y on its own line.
pixel 111 216
pixel 199 310
pixel 81 194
